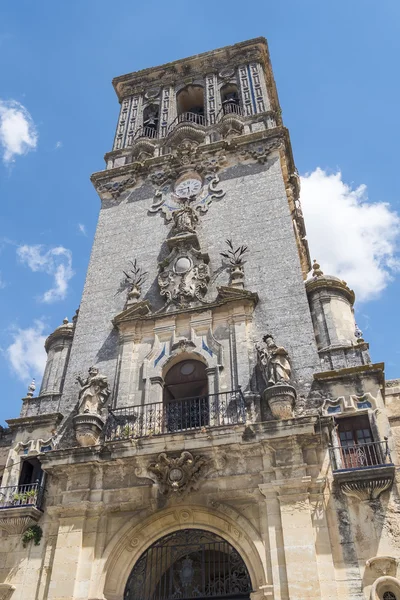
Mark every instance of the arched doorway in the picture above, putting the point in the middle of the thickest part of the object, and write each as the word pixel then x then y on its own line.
pixel 186 396
pixel 190 563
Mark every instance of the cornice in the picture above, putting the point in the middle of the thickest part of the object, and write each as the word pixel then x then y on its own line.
pixel 352 371
pixel 35 421
pixel 187 69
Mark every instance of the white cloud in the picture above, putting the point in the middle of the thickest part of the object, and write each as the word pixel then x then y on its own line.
pixel 351 237
pixel 18 133
pixel 56 262
pixel 26 354
pixel 58 145
pixel 82 228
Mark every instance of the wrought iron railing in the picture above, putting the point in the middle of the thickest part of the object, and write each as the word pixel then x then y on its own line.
pixel 186 414
pixel 360 456
pixel 22 495
pixel 187 117
pixel 145 132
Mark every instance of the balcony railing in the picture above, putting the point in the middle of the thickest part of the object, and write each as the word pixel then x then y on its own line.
pixel 230 108
pixel 187 117
pixel 360 456
pixel 145 132
pixel 186 414
pixel 22 495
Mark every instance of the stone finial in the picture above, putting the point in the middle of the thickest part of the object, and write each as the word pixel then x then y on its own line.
pixel 317 272
pixel 65 321
pixel 31 389
pixel 358 334
pixel 134 278
pixel 236 263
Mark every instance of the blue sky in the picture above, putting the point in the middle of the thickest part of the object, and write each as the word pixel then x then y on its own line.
pixel 336 68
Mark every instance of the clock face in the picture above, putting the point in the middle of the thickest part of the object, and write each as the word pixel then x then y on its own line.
pixel 188 187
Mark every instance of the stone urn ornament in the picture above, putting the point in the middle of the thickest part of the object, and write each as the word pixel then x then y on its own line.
pixel 275 367
pixel 93 395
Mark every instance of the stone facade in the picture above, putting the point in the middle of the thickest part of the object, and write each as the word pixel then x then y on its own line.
pixel 230 399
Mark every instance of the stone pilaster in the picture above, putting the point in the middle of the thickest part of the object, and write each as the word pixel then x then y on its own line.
pixel 298 538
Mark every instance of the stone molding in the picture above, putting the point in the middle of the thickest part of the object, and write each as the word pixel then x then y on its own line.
pixel 133 539
pixel 32 423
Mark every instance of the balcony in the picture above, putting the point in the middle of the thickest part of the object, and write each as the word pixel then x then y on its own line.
pixel 145 132
pixel 183 415
pixel 20 506
pixel 363 471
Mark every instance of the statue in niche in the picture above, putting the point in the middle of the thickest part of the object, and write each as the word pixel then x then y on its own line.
pixel 273 361
pixel 185 221
pixel 94 392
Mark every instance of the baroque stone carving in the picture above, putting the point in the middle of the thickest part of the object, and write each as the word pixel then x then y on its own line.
pixel 273 361
pixel 275 367
pixel 184 275
pixel 94 392
pixel 134 278
pixel 167 202
pixel 236 262
pixel 383 565
pixel 177 475
pixel 115 188
pixel 93 395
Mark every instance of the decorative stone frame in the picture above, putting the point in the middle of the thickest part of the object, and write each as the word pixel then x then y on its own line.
pixel 126 547
pixel 165 354
pixel 385 584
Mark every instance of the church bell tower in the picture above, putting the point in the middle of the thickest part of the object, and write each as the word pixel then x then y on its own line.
pixel 210 424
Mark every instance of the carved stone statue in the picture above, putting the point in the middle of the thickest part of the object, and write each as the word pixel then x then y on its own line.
pixel 273 361
pixel 94 392
pixel 185 220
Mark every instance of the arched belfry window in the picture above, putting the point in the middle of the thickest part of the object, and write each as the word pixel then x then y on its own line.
pixel 187 564
pixel 190 104
pixel 186 396
pixel 230 99
pixel 150 121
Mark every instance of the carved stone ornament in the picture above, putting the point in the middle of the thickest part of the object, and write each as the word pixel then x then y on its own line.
pixel 88 428
pixel 281 399
pixel 177 475
pixel 383 565
pixel 115 188
pixel 167 202
pixel 94 392
pixel 184 276
pixel 275 368
pixel 273 361
pixel 261 151
pixel 93 395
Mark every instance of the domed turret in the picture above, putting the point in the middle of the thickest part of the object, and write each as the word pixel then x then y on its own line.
pixel 331 304
pixel 57 346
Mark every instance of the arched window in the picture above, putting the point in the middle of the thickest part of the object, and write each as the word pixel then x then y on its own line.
pixel 150 121
pixel 190 563
pixel 230 99
pixel 186 396
pixel 190 104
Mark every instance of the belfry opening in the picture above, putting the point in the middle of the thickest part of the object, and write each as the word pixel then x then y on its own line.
pixel 190 563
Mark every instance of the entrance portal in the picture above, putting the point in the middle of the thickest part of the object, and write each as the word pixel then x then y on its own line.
pixel 186 564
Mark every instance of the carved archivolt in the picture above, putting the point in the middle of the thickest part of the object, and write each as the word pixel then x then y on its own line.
pixel 383 585
pixel 128 544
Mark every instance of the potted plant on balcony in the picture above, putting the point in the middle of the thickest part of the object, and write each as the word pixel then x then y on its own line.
pixel 27 497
